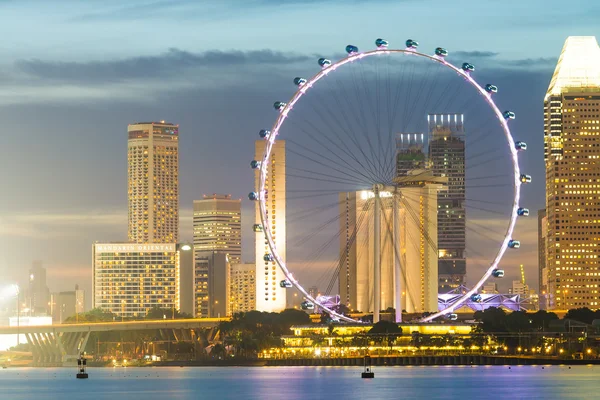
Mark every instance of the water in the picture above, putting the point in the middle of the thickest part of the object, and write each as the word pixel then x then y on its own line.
pixel 295 383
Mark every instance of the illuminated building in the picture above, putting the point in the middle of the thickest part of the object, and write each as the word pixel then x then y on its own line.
pixel 242 288
pixel 410 153
pixel 542 271
pixel 572 158
pixel 270 296
pixel 417 218
pixel 217 226
pixel 129 279
pixel 447 159
pixel 211 284
pixel 153 182
pixel 186 274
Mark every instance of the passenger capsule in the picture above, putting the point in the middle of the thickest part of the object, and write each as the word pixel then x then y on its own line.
pixel 491 88
pixel 285 284
pixel 381 43
pixel 525 178
pixel 509 115
pixel 264 133
pixel 351 49
pixel 253 196
pixel 299 81
pixel 514 244
pixel 412 44
pixel 498 273
pixel 269 257
pixel 452 317
pixel 307 305
pixel 441 52
pixel 468 67
pixel 476 298
pixel 257 228
pixel 523 212
pixel 279 105
pixel 521 146
pixel 255 164
pixel 324 62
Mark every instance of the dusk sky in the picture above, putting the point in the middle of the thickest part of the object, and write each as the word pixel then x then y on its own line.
pixel 73 74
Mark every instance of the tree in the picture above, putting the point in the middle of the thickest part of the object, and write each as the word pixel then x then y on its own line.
pixel 584 315
pixel 94 315
pixel 492 319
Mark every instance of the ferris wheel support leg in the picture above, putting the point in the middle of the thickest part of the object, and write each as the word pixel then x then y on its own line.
pixel 397 260
pixel 376 254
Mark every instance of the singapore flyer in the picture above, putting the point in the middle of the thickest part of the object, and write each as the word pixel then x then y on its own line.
pixel 389 176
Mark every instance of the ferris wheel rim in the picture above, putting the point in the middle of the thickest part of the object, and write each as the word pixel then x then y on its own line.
pixel 304 88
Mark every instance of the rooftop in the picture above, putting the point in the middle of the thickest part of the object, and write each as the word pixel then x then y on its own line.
pixel 578 66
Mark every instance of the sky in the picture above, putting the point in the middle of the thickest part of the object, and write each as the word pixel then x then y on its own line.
pixel 73 74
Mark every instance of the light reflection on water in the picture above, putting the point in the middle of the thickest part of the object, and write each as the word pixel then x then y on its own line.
pixel 291 383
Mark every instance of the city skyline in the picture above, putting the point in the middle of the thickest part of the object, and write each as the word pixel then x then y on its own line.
pixel 75 214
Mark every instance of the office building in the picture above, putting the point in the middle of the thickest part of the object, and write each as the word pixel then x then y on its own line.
pixel 218 226
pixel 38 294
pixel 186 274
pixel 242 288
pixel 490 288
pixel 417 216
pixel 153 182
pixel 572 159
pixel 519 287
pixel 129 279
pixel 447 159
pixel 270 296
pixel 211 284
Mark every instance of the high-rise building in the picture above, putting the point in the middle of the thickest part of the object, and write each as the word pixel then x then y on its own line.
pixel 153 182
pixel 447 159
pixel 417 216
pixel 242 288
pixel 410 154
pixel 572 158
pixel 490 288
pixel 211 284
pixel 129 279
pixel 270 296
pixel 519 287
pixel 218 226
pixel 186 274
pixel 38 294
pixel 542 272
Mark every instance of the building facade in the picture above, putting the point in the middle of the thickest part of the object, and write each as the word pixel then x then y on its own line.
pixel 129 279
pixel 218 225
pixel 410 153
pixel 270 296
pixel 447 159
pixel 242 288
pixel 38 294
pixel 417 216
pixel 572 158
pixel 211 284
pixel 153 182
pixel 542 272
pixel 67 304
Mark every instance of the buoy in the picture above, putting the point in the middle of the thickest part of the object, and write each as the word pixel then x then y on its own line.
pixel 367 373
pixel 81 368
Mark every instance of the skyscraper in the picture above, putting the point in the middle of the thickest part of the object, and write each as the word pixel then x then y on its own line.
pixel 270 296
pixel 38 293
pixel 218 226
pixel 211 284
pixel 153 182
pixel 572 158
pixel 447 159
pixel 242 284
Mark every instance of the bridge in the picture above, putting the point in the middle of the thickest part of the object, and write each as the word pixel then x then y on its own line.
pixel 53 345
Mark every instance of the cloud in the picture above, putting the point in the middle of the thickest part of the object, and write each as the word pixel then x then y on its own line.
pixel 474 54
pixel 169 64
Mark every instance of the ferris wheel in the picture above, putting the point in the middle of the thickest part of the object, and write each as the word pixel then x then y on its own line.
pixel 400 172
